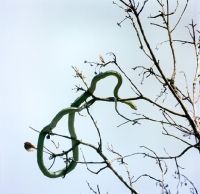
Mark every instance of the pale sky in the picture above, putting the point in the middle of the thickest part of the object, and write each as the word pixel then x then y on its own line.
pixel 39 42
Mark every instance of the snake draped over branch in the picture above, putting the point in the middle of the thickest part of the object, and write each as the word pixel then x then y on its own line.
pixel 75 107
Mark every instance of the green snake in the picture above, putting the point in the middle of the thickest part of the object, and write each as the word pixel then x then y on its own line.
pixel 75 107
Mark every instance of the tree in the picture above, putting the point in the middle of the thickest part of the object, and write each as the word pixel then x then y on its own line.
pixel 172 103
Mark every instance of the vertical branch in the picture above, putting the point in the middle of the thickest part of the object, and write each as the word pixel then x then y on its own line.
pixel 166 21
pixel 196 94
pixel 167 12
pixel 95 124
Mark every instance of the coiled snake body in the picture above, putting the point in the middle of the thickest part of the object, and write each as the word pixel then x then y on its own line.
pixel 75 107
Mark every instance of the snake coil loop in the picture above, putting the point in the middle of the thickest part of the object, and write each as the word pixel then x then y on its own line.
pixel 75 107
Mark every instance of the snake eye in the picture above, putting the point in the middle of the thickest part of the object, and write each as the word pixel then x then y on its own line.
pixel 48 136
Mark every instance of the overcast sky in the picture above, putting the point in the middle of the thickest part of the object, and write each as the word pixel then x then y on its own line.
pixel 39 42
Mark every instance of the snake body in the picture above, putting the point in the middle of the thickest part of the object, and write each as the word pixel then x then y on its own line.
pixel 75 107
